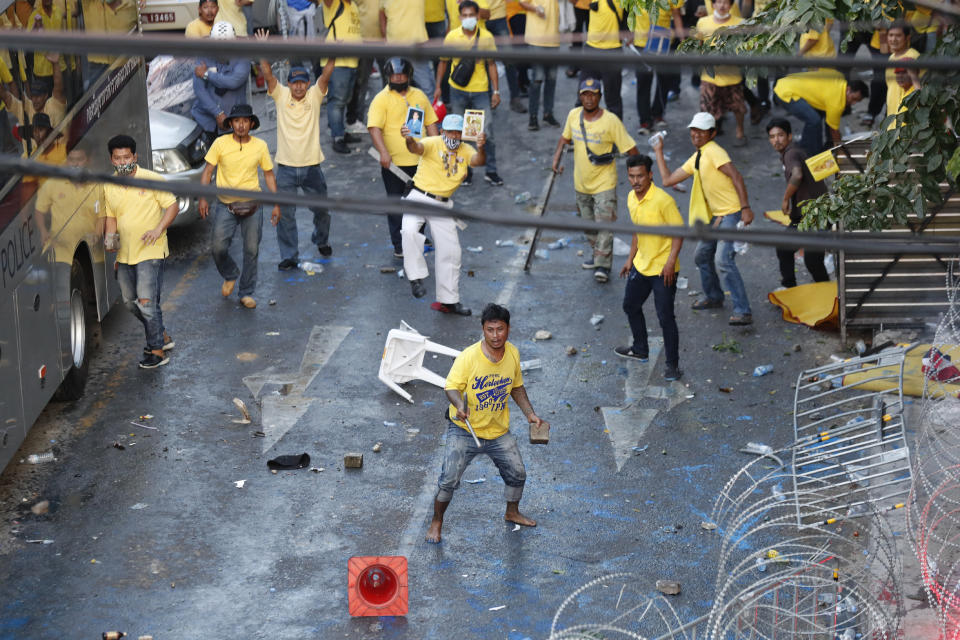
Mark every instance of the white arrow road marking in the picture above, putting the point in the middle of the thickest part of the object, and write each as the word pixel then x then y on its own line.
pixel 627 425
pixel 279 413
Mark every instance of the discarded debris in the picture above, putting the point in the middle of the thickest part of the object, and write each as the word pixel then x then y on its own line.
pixel 727 345
pixel 272 303
pixel 146 416
pixel 243 409
pixel 543 254
pixel 377 448
pixel 259 434
pixel 559 244
pixel 668 587
pixel 40 508
pixel 316 469
pixel 113 635
pixel 596 319
pixel 476 481
pixel 516 527
pixel 388 269
pixel 579 252
pixel 762 370
pixel 709 526
pixel 475 249
pixel 620 248
pixel 139 506
pixel 117 445
pixel 571 351
pixel 540 434
pixel 413 431
pixel 239 483
pixel 530 365
pixel 44 541
pixel 505 243
pixel 289 462
pixel 502 606
pixel 353 460
pixel 725 389
pixel 798 347
pixel 542 334
pixel 641 449
pixel 272 333
pixel 143 426
pixel 757 448
pixel 40 458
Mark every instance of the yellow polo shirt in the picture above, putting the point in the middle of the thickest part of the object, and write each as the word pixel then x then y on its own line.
pixel 345 28
pixel 405 20
pixel 237 164
pixel 656 208
pixel 433 11
pixel 603 31
pixel 823 89
pixel 734 8
pixel 824 47
pixel 298 127
pixel 602 134
pixel 453 13
pixel 641 24
pixel 545 31
pixel 388 112
pixel 479 82
pixel 98 16
pixel 52 107
pixel 369 11
pixel 894 93
pixel 64 200
pixel 498 9
pixel 902 108
pixel 198 29
pixel 138 211
pixel 718 188
pixel 922 20
pixel 722 76
pixel 54 22
pixel 231 12
pixel 487 386
pixel 441 171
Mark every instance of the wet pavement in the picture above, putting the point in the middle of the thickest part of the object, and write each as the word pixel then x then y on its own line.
pixel 157 537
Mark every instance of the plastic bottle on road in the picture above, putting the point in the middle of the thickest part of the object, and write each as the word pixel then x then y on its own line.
pixel 762 370
pixel 520 198
pixel 40 458
pixel 739 246
pixel 310 267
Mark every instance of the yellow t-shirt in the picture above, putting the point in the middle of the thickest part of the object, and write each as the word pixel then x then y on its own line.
pixel 237 163
pixel 441 171
pixel 5 76
pixel 298 127
pixel 894 93
pixel 498 9
pixel 231 12
pixel 98 16
pixel 823 89
pixel 405 20
pixel 453 13
pixel 433 11
pixel 138 211
pixel 656 209
pixel 734 9
pixel 722 76
pixel 922 20
pixel 479 82
pixel 718 188
pixel 602 134
pixel 53 22
pixel 388 112
pixel 824 48
pixel 902 107
pixel 603 31
pixel 369 11
pixel 487 386
pixel 641 25
pixel 345 28
pixel 52 107
pixel 545 31
pixel 63 201
pixel 198 29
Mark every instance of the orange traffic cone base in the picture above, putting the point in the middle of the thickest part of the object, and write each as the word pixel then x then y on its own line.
pixel 377 586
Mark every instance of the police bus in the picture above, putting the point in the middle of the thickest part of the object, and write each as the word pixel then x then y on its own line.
pixel 56 283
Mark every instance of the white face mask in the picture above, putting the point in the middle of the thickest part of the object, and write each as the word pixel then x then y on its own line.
pixel 469 23
pixel 720 16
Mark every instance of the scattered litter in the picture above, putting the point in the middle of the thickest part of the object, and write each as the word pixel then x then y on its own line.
pixel 94 561
pixel 476 481
pixel 641 449
pixel 709 526
pixel 40 458
pixel 239 483
pixel 272 303
pixel 146 416
pixel 693 293
pixel 40 508
pixel 777 493
pixel 757 448
pixel 113 635
pixel 387 423
pixel 289 462
pixel 762 370
pixel 353 460
pixel 413 431
pixel 571 351
pixel 502 606
pixel 798 347
pixel 259 434
pixel 725 389
pixel 247 356
pixel 745 418
pixel 596 319
pixel 139 506
pixel 668 587
pixel 117 445
pixel 559 244
pixel 505 243
pixel 310 268
pixel 272 333
pixel 520 198
pixel 516 527
pixel 316 469
pixel 579 252
pixel 559 572
pixel 530 365
pixel 377 448
pixel 470 273
pixel 543 254
pixel 400 273
pixel 542 334
pixel 690 396
pixel 682 282
pixel 44 541
pixel 475 249
pixel 388 269
pixel 620 248
pixel 243 410
pixel 143 426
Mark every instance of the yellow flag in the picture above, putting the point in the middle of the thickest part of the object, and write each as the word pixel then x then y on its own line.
pixel 699 209
pixel 822 165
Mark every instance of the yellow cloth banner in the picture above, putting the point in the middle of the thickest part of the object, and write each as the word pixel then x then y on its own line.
pixel 814 305
pixel 822 165
pixel 914 379
pixel 699 209
pixel 778 216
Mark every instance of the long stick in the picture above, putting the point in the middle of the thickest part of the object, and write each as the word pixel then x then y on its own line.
pixel 541 209
pixel 470 426
pixel 394 169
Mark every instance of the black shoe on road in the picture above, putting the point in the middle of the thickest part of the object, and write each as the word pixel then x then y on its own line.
pixel 349 138
pixel 493 179
pixel 325 250
pixel 152 360
pixel 340 146
pixel 706 303
pixel 550 120
pixel 533 125
pixel 672 372
pixel 416 286
pixel 287 264
pixel 627 352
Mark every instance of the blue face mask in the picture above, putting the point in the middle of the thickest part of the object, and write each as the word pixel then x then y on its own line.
pixel 469 23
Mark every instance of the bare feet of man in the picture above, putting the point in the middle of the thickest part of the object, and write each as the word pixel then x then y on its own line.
pixel 513 515
pixel 433 532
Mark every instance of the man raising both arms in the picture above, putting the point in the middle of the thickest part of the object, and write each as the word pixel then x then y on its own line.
pixel 477 386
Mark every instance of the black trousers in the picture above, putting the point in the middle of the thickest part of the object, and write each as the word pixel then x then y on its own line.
pixel 395 189
pixel 611 79
pixel 812 259
pixel 878 84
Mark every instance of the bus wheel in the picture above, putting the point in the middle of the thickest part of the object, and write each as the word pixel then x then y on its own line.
pixel 83 332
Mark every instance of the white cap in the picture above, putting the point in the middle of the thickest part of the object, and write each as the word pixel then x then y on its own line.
pixel 222 31
pixel 702 120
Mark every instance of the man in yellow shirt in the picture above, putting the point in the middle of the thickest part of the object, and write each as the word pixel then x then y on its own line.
pixel 444 160
pixel 342 21
pixel 45 17
pixel 299 157
pixel 474 92
pixel 482 377
pixel 136 228
pixel 111 16
pixel 898 39
pixel 596 136
pixel 237 13
pixel 206 16
pixel 388 113
pixel 818 97
pixel 651 266
pixel 404 22
pixel 818 44
pixel 652 37
pixel 236 156
pixel 721 88
pixel 542 31
pixel 369 11
pixel 608 19
pixel 724 195
pixel 40 98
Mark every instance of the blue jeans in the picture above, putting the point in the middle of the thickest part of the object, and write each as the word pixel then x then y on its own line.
pixel 140 286
pixel 341 90
pixel 423 77
pixel 225 225
pixel 704 258
pixel 639 288
pixel 460 450
pixel 812 136
pixel 499 28
pixel 462 100
pixel 311 180
pixel 544 75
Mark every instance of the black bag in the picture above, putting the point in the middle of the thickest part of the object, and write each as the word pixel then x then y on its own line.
pixel 244 208
pixel 598 159
pixel 463 72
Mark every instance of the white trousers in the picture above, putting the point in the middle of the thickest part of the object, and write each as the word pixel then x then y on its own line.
pixel 446 244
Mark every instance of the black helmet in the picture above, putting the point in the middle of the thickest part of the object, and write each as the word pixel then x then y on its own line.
pixel 399 65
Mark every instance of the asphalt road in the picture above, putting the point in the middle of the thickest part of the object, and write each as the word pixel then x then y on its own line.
pixel 158 538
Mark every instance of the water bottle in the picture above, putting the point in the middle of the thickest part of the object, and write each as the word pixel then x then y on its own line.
pixel 40 458
pixel 739 246
pixel 520 198
pixel 761 565
pixel 559 244
pixel 762 370
pixel 310 268
pixel 659 135
pixel 682 283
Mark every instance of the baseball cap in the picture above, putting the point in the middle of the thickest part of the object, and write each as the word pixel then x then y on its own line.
pixel 452 122
pixel 589 84
pixel 298 74
pixel 702 120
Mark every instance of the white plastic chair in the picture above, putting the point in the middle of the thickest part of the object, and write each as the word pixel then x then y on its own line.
pixel 402 359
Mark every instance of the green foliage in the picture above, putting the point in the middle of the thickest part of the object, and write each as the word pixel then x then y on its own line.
pixel 727 345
